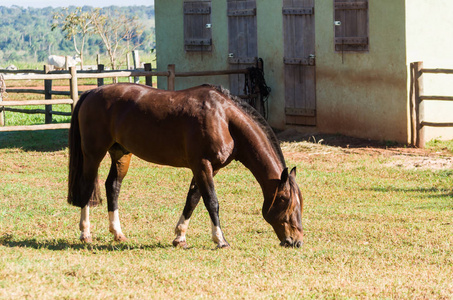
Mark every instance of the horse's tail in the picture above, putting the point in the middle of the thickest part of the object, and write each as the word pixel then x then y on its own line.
pixel 80 191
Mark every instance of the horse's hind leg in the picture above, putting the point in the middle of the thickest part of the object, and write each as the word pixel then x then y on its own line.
pixel 193 197
pixel 120 164
pixel 90 192
pixel 84 225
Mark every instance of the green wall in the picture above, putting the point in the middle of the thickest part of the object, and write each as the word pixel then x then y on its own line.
pixel 358 94
pixel 270 49
pixel 170 44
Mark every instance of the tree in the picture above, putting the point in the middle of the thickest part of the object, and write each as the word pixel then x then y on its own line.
pixel 77 25
pixel 119 33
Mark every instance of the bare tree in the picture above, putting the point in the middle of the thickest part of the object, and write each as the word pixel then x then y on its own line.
pixel 77 26
pixel 118 32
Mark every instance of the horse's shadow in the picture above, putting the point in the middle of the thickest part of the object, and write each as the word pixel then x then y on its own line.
pixel 64 244
pixel 41 140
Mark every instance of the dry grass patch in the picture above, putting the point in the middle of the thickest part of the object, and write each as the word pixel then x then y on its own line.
pixel 372 230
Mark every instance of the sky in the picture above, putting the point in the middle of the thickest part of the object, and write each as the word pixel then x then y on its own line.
pixel 66 3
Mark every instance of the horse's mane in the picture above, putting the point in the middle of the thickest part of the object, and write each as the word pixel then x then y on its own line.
pixel 256 117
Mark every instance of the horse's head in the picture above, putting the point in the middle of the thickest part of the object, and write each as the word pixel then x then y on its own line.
pixel 285 211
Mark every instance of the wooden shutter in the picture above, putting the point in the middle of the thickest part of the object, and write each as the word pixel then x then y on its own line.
pixel 197 26
pixel 351 25
pixel 242 40
pixel 299 61
pixel 242 31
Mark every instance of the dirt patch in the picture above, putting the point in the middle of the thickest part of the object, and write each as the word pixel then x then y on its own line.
pixel 303 146
pixel 431 163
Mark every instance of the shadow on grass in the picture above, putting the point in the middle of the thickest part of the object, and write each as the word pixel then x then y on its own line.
pixel 432 192
pixel 61 244
pixel 41 140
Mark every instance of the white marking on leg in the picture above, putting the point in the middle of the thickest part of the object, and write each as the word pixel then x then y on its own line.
pixel 217 236
pixel 84 224
pixel 115 226
pixel 181 229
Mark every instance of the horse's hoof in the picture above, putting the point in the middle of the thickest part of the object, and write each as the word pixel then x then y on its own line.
pixel 120 238
pixel 224 246
pixel 86 239
pixel 181 244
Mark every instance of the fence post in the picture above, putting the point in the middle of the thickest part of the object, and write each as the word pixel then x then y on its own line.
pixel 48 95
pixel 73 86
pixel 2 109
pixel 412 100
pixel 100 70
pixel 128 64
pixel 171 77
pixel 136 59
pixel 419 115
pixel 148 79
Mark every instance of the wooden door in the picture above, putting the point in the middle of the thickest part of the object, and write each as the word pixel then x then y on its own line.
pixel 242 40
pixel 299 61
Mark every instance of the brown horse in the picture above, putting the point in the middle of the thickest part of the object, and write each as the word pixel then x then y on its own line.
pixel 201 128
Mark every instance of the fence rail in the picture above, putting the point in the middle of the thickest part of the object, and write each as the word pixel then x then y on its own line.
pixel 417 96
pixel 73 76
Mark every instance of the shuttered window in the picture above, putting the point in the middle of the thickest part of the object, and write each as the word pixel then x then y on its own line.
pixel 197 26
pixel 351 25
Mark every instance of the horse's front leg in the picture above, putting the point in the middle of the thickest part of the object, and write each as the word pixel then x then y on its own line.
pixel 193 197
pixel 205 181
pixel 84 225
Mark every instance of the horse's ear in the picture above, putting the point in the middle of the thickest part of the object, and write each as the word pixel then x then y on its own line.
pixel 284 179
pixel 284 176
pixel 293 172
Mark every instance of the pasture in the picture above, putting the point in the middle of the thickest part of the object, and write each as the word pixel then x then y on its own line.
pixel 378 224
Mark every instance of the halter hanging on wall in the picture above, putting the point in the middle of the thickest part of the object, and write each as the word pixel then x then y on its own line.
pixel 257 85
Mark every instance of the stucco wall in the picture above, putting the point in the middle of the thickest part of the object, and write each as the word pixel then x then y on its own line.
pixel 363 94
pixel 430 40
pixel 170 27
pixel 358 94
pixel 270 49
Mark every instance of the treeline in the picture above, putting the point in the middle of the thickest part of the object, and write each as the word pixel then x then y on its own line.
pixel 26 35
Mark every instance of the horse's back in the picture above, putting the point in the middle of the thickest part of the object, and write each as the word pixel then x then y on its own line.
pixel 160 126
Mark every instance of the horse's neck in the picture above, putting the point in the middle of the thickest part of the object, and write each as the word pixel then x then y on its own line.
pixel 257 154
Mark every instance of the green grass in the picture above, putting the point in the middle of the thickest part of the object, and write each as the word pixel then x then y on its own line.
pixel 88 60
pixel 371 231
pixel 15 118
pixel 438 145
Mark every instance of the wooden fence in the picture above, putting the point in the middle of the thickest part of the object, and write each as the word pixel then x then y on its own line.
pixel 73 76
pixel 417 96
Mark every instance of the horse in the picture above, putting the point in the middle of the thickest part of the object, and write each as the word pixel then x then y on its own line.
pixel 202 128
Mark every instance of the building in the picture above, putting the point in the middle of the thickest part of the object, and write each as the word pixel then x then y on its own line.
pixel 339 66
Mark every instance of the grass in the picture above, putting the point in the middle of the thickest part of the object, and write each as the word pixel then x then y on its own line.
pixel 439 145
pixel 15 118
pixel 145 57
pixel 371 231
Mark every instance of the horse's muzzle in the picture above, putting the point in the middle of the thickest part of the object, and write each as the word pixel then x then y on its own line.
pixel 289 243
